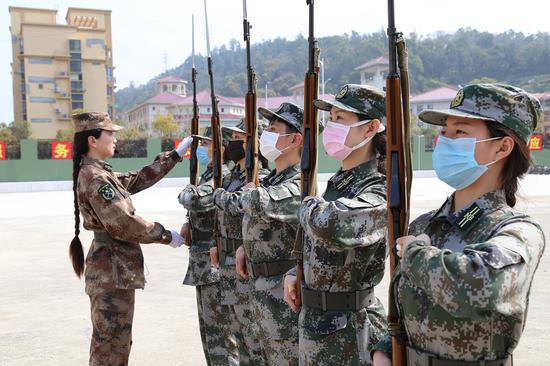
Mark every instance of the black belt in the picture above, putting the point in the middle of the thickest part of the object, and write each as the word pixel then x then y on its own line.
pixel 268 269
pixel 416 357
pixel 201 235
pixel 229 246
pixel 338 301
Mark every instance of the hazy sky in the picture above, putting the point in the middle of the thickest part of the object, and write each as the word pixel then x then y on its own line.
pixel 142 33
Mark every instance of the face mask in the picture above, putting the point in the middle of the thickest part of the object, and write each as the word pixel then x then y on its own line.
pixel 202 155
pixel 268 145
pixel 235 150
pixel 454 161
pixel 334 139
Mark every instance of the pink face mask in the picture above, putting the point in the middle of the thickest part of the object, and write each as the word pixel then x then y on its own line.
pixel 334 139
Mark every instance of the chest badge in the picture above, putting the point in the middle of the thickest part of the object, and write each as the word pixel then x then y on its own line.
pixel 107 191
pixel 469 217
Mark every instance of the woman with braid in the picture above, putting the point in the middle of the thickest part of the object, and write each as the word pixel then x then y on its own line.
pixel 114 264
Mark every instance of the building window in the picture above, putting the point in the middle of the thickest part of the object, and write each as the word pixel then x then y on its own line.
pixel 430 106
pixel 165 88
pixel 174 88
pixel 76 66
pixel 109 90
pixel 76 86
pixel 223 109
pixel 40 86
pixel 74 45
pixel 154 108
pixel 77 105
pixel 77 97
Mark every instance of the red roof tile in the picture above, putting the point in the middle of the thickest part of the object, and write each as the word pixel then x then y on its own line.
pixel 375 61
pixel 439 94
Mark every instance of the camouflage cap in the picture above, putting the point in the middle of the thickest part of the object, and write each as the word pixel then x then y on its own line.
pixel 207 135
pixel 239 128
pixel 505 104
pixel 287 112
pixel 92 121
pixel 361 99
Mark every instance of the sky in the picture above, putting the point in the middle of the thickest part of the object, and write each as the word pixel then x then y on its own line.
pixel 147 38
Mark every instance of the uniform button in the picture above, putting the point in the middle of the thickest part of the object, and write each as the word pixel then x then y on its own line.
pixel 445 226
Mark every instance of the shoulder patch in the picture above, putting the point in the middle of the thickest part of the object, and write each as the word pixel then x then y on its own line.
pixel 107 191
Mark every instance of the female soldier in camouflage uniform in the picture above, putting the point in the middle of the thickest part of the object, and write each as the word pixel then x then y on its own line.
pixel 214 317
pixel 467 268
pixel 235 291
pixel 114 265
pixel 345 241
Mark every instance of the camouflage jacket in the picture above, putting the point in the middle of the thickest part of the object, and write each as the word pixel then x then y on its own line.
pixel 345 248
pixel 230 219
pixel 465 296
pixel 106 206
pixel 199 203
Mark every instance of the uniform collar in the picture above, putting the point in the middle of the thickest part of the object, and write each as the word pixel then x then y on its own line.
pixel 275 178
pixel 96 163
pixel 465 218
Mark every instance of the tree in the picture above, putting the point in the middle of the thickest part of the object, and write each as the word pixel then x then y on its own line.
pixel 6 134
pixel 165 125
pixel 130 133
pixel 66 134
pixel 21 130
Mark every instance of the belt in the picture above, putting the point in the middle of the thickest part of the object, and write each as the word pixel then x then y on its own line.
pixel 201 235
pixel 338 301
pixel 229 246
pixel 416 357
pixel 268 269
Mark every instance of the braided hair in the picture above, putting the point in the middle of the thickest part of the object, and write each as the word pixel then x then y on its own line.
pixel 80 148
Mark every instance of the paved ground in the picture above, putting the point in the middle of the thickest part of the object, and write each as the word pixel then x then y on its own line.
pixel 44 313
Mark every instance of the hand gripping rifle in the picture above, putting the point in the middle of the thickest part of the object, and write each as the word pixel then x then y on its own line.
pixel 308 164
pixel 195 119
pixel 251 161
pixel 215 121
pixel 399 171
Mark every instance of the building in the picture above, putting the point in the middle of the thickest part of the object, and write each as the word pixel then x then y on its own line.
pixel 544 99
pixel 143 115
pixel 172 84
pixel 374 72
pixel 439 98
pixel 58 68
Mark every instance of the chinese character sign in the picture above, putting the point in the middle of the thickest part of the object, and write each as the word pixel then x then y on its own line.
pixel 535 143
pixel 2 150
pixel 61 150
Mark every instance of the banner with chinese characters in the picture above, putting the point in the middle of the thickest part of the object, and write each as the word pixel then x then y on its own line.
pixel 2 150
pixel 187 153
pixel 62 150
pixel 535 143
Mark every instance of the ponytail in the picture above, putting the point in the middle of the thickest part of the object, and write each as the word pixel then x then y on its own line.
pixel 80 147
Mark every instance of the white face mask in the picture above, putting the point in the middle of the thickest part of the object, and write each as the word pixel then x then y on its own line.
pixel 268 145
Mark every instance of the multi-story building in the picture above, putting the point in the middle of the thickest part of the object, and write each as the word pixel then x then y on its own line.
pixel 439 98
pixel 374 72
pixel 59 68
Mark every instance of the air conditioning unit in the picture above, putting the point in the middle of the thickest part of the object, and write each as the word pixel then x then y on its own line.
pixel 65 115
pixel 64 94
pixel 57 89
pixel 62 73
pixel 57 110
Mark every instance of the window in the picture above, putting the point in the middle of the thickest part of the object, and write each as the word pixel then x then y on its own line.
pixel 76 86
pixel 109 90
pixel 165 88
pixel 40 86
pixel 76 66
pixel 74 45
pixel 154 108
pixel 174 88
pixel 223 109
pixel 77 105
pixel 77 97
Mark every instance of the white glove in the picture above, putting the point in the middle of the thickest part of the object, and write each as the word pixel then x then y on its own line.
pixel 177 239
pixel 183 146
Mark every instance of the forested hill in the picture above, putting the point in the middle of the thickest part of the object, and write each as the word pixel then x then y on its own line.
pixel 465 56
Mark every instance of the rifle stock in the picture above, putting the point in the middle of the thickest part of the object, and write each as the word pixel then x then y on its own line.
pixel 399 173
pixel 308 164
pixel 193 164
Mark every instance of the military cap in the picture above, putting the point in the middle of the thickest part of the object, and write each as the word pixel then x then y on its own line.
pixel 289 113
pixel 505 104
pixel 360 99
pixel 208 136
pixel 239 128
pixel 92 121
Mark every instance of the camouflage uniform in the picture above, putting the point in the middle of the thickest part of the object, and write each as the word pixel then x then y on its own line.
pixel 114 264
pixel 235 291
pixel 464 297
pixel 269 229
pixel 214 316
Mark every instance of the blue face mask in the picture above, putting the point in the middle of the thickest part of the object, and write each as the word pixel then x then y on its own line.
pixel 454 161
pixel 202 155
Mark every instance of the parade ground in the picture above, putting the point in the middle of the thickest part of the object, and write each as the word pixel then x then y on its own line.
pixel 44 312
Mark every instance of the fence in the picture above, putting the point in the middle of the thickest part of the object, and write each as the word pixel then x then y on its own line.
pixel 32 160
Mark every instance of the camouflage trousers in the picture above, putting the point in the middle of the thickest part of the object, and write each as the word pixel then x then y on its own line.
pixel 236 294
pixel 220 347
pixel 112 312
pixel 278 324
pixel 340 338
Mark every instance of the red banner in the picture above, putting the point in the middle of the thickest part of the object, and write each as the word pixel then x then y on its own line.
pixel 62 150
pixel 535 143
pixel 2 150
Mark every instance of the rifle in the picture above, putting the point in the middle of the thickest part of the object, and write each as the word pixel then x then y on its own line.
pixel 308 163
pixel 399 172
pixel 251 161
pixel 215 120
pixel 195 119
